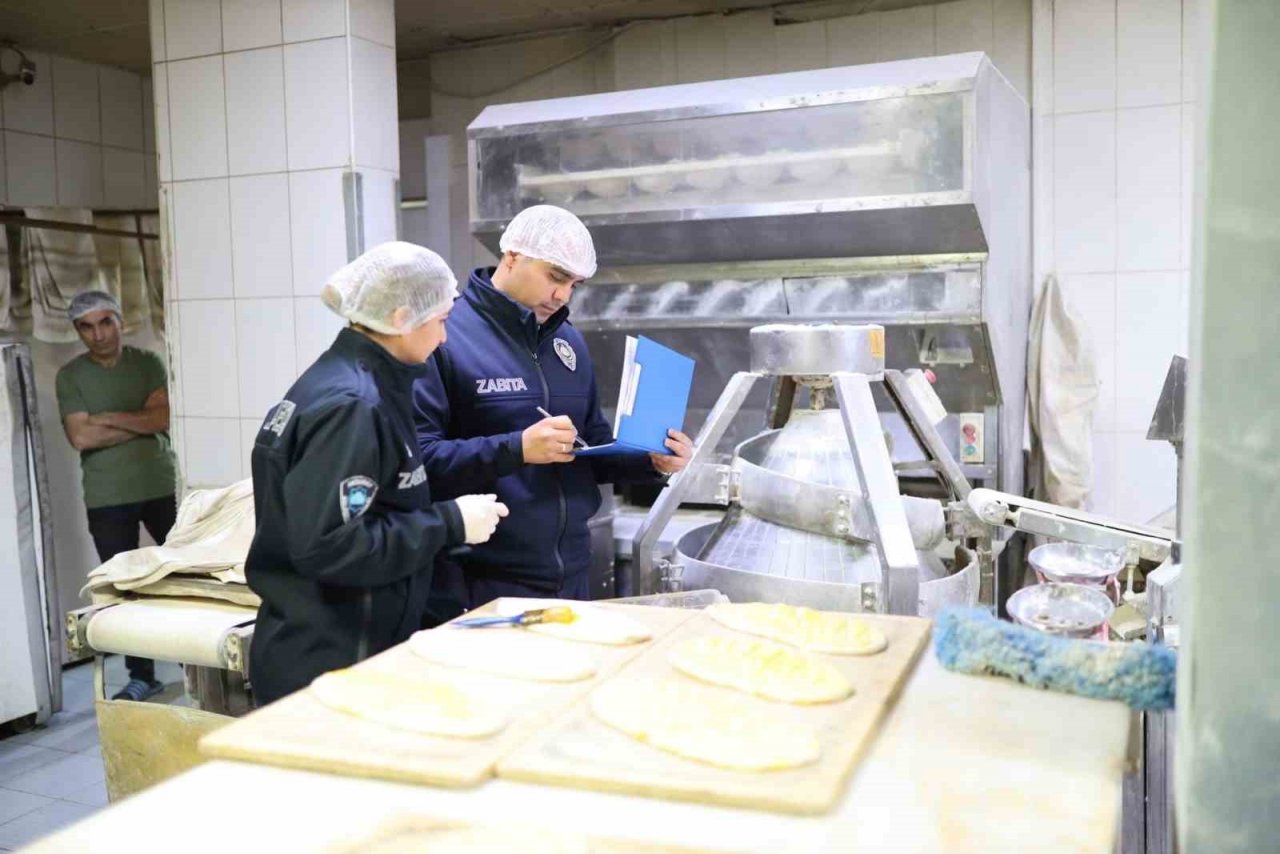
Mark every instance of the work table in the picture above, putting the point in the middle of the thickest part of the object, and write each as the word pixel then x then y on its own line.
pixel 961 763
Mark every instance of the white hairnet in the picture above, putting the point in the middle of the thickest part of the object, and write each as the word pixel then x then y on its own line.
pixel 554 235
pixel 87 302
pixel 370 289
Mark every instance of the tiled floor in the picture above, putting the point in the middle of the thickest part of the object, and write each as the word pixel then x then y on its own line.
pixel 52 776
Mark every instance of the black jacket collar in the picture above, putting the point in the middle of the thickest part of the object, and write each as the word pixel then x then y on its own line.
pixel 391 373
pixel 509 315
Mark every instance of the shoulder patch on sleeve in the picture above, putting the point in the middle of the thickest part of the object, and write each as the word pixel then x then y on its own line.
pixel 355 494
pixel 279 417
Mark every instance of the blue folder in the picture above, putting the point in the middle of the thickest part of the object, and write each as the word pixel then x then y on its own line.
pixel 653 399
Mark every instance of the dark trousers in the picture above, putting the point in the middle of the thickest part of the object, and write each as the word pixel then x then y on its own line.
pixel 482 589
pixel 115 529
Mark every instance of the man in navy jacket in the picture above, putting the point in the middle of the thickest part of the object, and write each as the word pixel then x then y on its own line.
pixel 478 423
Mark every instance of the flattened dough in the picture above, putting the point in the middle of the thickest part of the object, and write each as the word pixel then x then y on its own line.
pixel 817 631
pixel 593 624
pixel 426 706
pixel 704 725
pixel 760 667
pixel 504 652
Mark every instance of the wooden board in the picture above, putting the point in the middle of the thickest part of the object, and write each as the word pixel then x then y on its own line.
pixel 300 732
pixel 583 752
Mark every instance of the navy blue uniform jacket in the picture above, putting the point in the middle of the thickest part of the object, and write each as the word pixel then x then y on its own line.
pixel 483 388
pixel 347 534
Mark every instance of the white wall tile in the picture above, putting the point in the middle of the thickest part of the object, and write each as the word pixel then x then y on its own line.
pixel 315 327
pixel 79 174
pixel 1152 320
pixel 317 104
pixel 250 23
pixel 192 28
pixel 202 238
pixel 1043 257
pixel 1188 172
pixel 1084 56
pixel 266 349
pixel 149 115
pixel 31 170
pixel 1011 43
pixel 801 46
pixel 906 33
pixel 1193 47
pixel 1084 218
pixel 1148 151
pixel 155 19
pixel 209 363
pixel 76 113
pixel 197 118
pixel 124 181
pixel 122 114
pixel 172 286
pixel 380 206
pixel 643 56
pixel 30 108
pixel 1148 233
pixel 1148 52
pixel 700 48
pixel 255 111
pixel 150 184
pixel 1102 500
pixel 1093 297
pixel 374 20
pixel 262 257
pixel 318 227
pixel 963 26
pixel 373 88
pixel 853 40
pixel 1146 477
pixel 750 48
pixel 314 19
pixel 164 136
pixel 213 454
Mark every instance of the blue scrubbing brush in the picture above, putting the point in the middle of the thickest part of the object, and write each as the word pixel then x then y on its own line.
pixel 970 640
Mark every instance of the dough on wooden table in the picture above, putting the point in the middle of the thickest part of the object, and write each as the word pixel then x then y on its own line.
pixel 818 631
pixel 705 725
pixel 593 624
pixel 504 652
pixel 434 706
pixel 760 667
pixel 412 835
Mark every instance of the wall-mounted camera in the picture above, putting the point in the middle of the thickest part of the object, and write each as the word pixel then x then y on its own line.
pixel 26 73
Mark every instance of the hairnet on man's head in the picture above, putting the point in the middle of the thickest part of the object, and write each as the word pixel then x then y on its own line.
pixel 87 302
pixel 388 277
pixel 554 235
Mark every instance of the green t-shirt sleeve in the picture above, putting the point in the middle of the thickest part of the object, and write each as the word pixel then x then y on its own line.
pixel 153 371
pixel 69 398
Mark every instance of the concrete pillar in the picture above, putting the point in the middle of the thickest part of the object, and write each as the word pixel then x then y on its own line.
pixel 278 161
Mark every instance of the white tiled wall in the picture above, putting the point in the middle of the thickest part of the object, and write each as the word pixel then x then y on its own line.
pixel 255 127
pixel 1113 212
pixel 76 138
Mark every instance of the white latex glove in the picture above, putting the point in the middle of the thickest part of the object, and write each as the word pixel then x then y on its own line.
pixel 480 515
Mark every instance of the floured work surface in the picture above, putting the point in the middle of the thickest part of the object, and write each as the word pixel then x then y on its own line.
pixel 301 732
pixel 583 752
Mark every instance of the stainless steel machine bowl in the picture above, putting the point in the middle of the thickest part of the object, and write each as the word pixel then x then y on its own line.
pixel 1073 563
pixel 1070 610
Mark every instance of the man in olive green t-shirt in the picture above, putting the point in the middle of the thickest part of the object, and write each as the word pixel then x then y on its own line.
pixel 114 403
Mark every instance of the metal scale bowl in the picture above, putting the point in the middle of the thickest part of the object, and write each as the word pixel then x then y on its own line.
pixel 801 528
